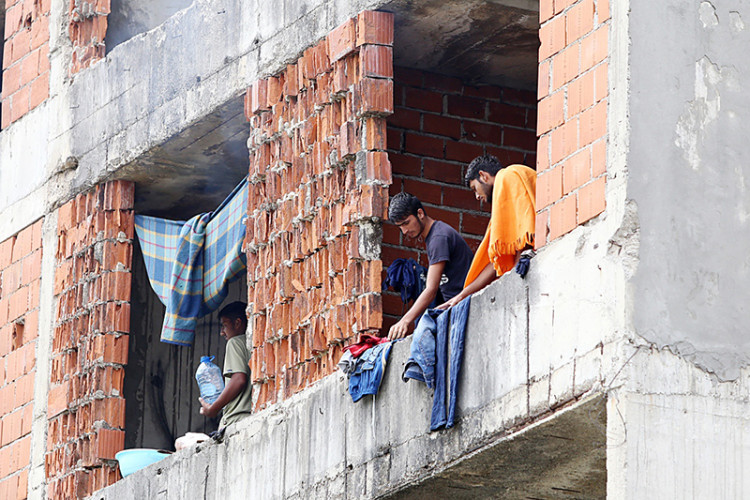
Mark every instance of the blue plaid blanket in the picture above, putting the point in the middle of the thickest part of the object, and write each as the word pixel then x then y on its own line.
pixel 190 264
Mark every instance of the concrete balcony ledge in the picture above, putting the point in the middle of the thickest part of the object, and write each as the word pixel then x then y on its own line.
pixel 319 444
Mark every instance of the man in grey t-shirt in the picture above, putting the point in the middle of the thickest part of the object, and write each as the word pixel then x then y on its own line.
pixel 448 254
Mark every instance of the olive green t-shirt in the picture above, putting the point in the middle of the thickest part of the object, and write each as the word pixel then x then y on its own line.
pixel 235 361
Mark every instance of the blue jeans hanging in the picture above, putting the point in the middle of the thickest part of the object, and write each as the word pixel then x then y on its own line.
pixel 436 355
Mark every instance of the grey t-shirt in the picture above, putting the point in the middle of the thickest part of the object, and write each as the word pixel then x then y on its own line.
pixel 444 244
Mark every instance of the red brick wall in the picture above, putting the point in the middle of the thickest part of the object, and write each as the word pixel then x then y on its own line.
pixel 87 28
pixel 20 277
pixel 572 125
pixel 439 125
pixel 319 175
pixel 86 410
pixel 25 58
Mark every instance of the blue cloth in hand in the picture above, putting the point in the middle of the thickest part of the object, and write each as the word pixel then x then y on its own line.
pixel 524 262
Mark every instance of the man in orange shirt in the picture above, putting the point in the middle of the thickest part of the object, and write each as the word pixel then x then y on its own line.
pixel 510 231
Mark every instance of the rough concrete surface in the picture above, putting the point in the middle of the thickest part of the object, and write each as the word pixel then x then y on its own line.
pixel 148 90
pixel 689 167
pixel 480 42
pixel 676 431
pixel 43 349
pixel 319 444
pixel 562 456
pixel 166 103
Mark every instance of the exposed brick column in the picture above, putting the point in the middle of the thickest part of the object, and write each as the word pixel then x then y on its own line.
pixel 20 279
pixel 572 124
pixel 88 26
pixel 25 58
pixel 86 410
pixel 319 177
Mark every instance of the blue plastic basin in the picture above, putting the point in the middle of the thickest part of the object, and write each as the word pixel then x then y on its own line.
pixel 138 458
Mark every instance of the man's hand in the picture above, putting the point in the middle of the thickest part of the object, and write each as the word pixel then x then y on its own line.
pixel 399 330
pixel 236 384
pixel 206 410
pixel 455 300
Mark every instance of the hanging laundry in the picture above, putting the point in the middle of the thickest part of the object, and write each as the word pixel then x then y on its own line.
pixel 368 371
pixel 347 363
pixel 421 363
pixel 436 357
pixel 407 277
pixel 190 264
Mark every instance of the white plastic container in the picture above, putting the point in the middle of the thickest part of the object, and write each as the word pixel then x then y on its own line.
pixel 210 380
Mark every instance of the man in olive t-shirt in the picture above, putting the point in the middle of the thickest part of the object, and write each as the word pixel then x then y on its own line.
pixel 236 398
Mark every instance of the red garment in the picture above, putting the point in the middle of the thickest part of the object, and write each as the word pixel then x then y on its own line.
pixel 365 342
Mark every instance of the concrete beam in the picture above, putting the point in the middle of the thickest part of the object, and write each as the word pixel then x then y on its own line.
pixel 477 41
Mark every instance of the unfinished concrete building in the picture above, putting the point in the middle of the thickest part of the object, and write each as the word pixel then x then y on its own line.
pixel 615 369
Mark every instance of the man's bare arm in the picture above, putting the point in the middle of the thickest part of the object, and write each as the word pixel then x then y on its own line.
pixel 237 383
pixel 487 276
pixel 401 329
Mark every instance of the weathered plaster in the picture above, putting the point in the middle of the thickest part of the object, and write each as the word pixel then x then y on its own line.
pixel 676 431
pixel 688 176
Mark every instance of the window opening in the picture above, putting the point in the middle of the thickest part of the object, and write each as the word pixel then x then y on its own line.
pixel 459 97
pixel 160 387
pixel 192 173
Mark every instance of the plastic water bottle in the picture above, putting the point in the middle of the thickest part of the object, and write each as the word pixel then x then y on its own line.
pixel 210 379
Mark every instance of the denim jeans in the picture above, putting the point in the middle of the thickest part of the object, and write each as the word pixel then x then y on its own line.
pixel 421 363
pixel 433 362
pixel 450 332
pixel 368 371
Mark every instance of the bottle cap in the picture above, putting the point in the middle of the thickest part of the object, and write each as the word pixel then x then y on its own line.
pixel 207 359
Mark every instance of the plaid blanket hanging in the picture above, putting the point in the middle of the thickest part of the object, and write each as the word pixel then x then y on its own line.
pixel 190 264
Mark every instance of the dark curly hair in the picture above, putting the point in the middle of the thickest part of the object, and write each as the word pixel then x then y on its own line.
pixel 402 206
pixel 486 163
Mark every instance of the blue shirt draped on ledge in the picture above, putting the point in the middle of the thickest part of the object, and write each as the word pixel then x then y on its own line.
pixel 190 264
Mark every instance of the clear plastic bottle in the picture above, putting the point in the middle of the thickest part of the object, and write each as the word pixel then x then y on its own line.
pixel 210 380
